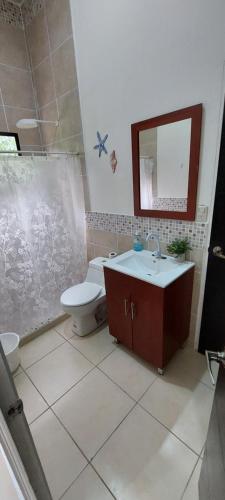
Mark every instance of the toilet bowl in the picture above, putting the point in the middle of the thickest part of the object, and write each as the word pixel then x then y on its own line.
pixel 86 302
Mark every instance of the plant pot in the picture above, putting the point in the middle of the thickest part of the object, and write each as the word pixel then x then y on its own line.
pixel 180 258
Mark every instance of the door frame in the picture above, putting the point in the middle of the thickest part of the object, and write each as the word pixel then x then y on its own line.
pixel 210 213
pixel 19 476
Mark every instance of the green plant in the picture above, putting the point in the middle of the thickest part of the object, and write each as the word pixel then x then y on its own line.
pixel 179 247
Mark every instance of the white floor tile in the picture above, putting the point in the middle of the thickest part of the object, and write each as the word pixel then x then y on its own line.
pixel 60 457
pixel 58 371
pixel 37 348
pixel 95 346
pixel 33 403
pixel 131 373
pixel 88 486
pixel 92 410
pixel 182 404
pixel 19 370
pixel 191 492
pixel 65 328
pixel 189 361
pixel 143 461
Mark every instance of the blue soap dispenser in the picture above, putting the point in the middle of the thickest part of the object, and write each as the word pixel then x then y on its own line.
pixel 137 244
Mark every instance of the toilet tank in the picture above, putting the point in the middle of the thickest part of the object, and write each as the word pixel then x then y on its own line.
pixel 95 272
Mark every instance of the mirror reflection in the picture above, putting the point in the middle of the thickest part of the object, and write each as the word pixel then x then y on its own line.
pixel 164 156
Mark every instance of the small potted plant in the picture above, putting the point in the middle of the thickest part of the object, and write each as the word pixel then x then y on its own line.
pixel 178 248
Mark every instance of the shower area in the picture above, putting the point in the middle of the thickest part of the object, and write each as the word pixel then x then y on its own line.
pixel 42 213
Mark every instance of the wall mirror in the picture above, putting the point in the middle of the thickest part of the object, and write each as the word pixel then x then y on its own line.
pixel 165 153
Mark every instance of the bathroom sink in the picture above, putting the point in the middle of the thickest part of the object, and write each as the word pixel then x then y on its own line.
pixel 145 266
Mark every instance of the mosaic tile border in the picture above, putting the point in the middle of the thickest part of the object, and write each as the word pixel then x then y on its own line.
pixel 11 14
pixel 168 229
pixel 175 204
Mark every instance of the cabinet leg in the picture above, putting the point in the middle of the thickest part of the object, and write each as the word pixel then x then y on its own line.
pixel 161 371
pixel 116 341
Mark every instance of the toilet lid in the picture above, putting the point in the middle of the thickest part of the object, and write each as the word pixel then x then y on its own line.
pixel 79 295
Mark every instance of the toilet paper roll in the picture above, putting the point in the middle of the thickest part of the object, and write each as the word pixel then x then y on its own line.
pixel 112 254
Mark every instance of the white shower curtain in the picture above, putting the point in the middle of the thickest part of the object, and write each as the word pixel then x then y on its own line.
pixel 42 238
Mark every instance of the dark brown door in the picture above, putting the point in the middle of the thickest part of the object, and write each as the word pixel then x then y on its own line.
pixel 146 312
pixel 118 290
pixel 212 335
pixel 212 477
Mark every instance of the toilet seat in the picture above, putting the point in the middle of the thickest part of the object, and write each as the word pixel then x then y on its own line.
pixel 79 295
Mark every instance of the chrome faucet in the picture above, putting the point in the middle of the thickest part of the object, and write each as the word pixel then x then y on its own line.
pixel 155 237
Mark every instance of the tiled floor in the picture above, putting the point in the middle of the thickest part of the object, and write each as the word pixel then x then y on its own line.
pixel 106 425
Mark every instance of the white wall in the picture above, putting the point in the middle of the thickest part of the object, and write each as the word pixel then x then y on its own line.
pixel 137 59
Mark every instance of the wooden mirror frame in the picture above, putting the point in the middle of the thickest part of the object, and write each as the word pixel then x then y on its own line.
pixel 193 112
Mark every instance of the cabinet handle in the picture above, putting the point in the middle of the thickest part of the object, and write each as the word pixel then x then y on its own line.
pixel 133 312
pixel 126 307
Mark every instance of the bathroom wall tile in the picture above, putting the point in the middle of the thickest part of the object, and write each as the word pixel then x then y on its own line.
pixel 90 252
pixel 59 21
pixel 63 60
pixel 69 114
pixel 37 38
pixel 13 50
pixel 72 144
pixel 100 251
pixel 103 238
pixel 3 124
pixel 16 85
pixel 26 137
pixel 125 242
pixel 44 83
pixel 49 133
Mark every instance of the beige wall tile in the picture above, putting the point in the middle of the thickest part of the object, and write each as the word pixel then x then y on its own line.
pixel 16 85
pixel 13 50
pixel 59 21
pixel 90 251
pixel 29 136
pixel 49 133
pixel 103 238
pixel 100 251
pixel 69 114
pixel 3 124
pixel 44 83
pixel 37 39
pixel 125 242
pixel 64 70
pixel 197 256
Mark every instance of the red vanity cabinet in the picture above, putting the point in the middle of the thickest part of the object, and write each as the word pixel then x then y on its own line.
pixel 151 321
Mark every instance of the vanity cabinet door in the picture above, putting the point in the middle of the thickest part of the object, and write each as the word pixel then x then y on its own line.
pixel 118 293
pixel 147 321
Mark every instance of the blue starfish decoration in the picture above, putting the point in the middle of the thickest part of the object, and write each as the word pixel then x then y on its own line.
pixel 101 144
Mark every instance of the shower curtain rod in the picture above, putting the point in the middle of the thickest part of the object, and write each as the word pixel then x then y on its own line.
pixel 19 152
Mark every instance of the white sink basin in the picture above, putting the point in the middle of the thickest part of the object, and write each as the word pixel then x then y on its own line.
pixel 143 265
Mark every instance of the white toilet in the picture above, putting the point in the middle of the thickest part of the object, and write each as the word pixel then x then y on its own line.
pixel 86 302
